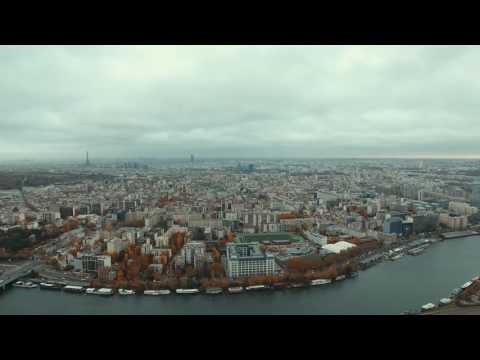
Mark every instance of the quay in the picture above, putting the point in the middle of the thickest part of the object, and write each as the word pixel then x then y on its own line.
pixel 11 277
pixel 458 234
pixel 370 261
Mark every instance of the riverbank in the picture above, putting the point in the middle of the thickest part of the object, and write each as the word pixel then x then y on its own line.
pixel 453 309
pixel 388 288
pixel 83 289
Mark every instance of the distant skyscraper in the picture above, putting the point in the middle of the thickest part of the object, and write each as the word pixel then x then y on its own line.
pixel 476 192
pixel 87 162
pixel 192 158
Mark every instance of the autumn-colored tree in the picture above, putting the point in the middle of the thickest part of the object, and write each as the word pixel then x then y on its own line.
pixel 296 277
pixel 190 271
pixel 157 276
pixel 215 254
pixel 172 283
pixel 54 263
pixel 230 237
pixel 95 284
pixel 217 270
pixel 163 259
pixel 120 275
pixel 137 284
pixel 66 227
pixel 122 284
pixel 133 271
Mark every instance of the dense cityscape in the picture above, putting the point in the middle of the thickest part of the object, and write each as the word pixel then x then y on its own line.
pixel 226 226
pixel 239 180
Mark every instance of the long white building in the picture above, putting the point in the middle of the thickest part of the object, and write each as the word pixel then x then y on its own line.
pixel 244 260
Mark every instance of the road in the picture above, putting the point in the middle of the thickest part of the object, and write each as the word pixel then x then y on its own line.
pixel 59 276
pixel 61 242
pixel 13 275
pixel 453 309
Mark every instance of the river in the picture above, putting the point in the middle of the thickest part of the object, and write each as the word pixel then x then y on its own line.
pixel 387 288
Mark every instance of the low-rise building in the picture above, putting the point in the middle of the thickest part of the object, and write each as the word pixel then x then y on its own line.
pixel 339 246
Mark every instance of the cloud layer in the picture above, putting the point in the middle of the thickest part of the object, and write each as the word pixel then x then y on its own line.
pixel 239 101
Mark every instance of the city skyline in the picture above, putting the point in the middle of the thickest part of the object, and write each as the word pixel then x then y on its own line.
pixel 223 101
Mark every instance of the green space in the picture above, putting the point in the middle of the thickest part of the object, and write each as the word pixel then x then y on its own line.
pixel 247 238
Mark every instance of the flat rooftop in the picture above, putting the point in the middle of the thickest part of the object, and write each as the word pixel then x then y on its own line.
pixel 278 236
pixel 245 251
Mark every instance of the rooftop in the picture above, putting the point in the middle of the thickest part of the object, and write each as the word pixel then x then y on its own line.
pixel 245 251
pixel 248 238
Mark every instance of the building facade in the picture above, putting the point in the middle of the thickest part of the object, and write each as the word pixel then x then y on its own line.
pixel 92 263
pixel 454 222
pixel 243 260
pixel 475 200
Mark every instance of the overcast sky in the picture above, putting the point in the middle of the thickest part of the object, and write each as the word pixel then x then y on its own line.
pixel 239 101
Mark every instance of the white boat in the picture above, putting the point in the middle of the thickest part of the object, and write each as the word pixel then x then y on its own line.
pixel 151 292
pixel 156 292
pixel 26 285
pixel 125 292
pixel 475 278
pixel 320 282
pixel 73 289
pixel 104 292
pixel 235 290
pixel 467 284
pixel 50 286
pixel 428 306
pixel 445 301
pixel 187 291
pixel 213 291
pixel 341 277
pixel 297 285
pixel 396 257
pixel 90 291
pixel 256 287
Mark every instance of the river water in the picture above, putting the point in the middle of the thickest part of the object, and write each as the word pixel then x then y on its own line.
pixel 386 288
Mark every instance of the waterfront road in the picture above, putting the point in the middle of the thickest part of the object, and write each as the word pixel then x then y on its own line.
pixel 13 275
pixel 453 309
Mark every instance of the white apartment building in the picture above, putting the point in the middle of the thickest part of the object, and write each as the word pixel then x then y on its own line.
pixel 454 222
pixel 116 245
pixel 91 263
pixel 244 260
pixel 195 253
pixel 462 208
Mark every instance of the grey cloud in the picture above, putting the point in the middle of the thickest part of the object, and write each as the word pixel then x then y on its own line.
pixel 239 101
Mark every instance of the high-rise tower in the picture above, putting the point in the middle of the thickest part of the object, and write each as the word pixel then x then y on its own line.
pixel 192 158
pixel 87 162
pixel 475 199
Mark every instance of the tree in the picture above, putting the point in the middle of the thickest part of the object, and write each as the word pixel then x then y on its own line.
pixel 190 271
pixel 215 254
pixel 54 263
pixel 172 283
pixel 217 269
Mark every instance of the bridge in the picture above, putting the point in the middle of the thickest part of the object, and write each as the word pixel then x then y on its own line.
pixel 9 277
